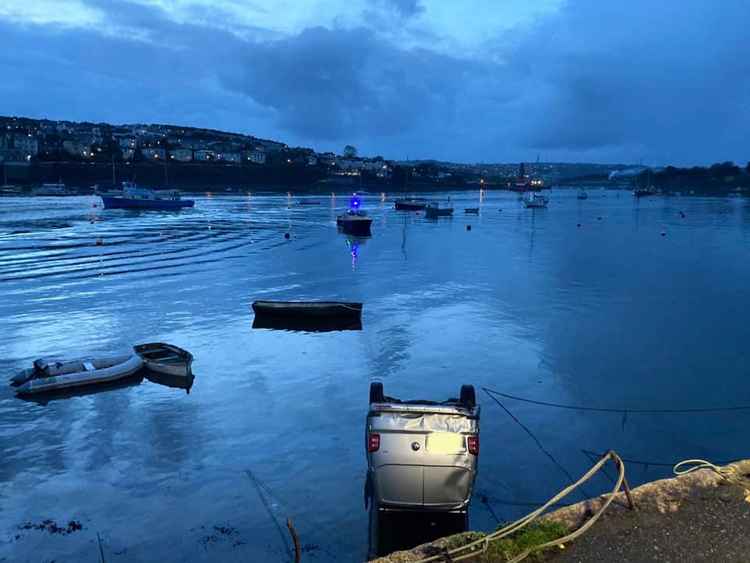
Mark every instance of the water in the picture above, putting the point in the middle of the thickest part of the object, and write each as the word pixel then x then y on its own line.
pixel 608 314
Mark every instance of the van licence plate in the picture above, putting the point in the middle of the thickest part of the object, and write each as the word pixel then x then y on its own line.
pixel 445 443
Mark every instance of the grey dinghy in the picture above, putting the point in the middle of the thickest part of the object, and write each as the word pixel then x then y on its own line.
pixel 54 376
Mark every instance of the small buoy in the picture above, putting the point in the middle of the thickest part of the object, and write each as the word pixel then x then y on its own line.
pixel 682 214
pixel 468 227
pixel 499 209
pixel 578 225
pixel 94 205
pixel 99 242
pixel 599 218
pixel 663 233
pixel 92 221
pixel 287 236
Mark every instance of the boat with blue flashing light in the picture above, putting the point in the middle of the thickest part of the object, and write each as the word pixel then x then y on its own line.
pixel 355 221
pixel 134 197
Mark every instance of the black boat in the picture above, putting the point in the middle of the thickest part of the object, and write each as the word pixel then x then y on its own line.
pixel 433 211
pixel 410 204
pixel 355 223
pixel 310 309
pixel 308 316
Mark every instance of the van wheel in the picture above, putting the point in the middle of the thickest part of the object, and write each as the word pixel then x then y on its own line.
pixel 468 396
pixel 376 393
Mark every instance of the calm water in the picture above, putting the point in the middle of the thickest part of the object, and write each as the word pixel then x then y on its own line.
pixel 609 314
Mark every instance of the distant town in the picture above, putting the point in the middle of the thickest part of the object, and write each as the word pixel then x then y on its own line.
pixel 86 155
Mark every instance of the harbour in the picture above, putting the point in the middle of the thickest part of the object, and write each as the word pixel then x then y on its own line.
pixel 645 282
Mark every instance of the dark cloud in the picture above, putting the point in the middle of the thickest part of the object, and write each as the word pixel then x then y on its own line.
pixel 663 81
pixel 342 84
pixel 406 8
pixel 666 82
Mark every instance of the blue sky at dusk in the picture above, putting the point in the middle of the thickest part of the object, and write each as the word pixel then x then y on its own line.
pixel 481 80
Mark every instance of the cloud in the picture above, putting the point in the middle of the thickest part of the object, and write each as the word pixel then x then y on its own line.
pixel 664 81
pixel 589 80
pixel 406 8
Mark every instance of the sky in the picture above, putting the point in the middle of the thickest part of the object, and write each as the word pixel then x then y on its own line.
pixel 473 81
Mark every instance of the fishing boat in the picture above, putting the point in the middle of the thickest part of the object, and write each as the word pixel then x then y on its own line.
pixel 133 197
pixel 47 376
pixel 535 201
pixel 166 359
pixel 472 211
pixel 433 211
pixel 410 204
pixel 582 194
pixel 311 316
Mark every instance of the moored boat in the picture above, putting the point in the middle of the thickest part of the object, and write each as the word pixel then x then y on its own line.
pixel 133 197
pixel 410 204
pixel 433 211
pixel 166 359
pixel 55 189
pixel 308 309
pixel 56 375
pixel 472 211
pixel 582 194
pixel 535 201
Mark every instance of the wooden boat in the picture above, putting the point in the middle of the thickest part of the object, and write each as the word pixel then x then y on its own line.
pixel 56 375
pixel 433 211
pixel 166 359
pixel 472 210
pixel 308 309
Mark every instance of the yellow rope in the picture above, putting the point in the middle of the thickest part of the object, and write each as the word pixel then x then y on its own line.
pixel 467 551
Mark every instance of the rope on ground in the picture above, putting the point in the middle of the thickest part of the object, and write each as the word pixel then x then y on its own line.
pixel 728 472
pixel 690 465
pixel 646 462
pixel 474 548
pixel 618 410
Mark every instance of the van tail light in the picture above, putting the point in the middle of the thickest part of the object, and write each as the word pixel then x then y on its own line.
pixel 373 442
pixel 473 443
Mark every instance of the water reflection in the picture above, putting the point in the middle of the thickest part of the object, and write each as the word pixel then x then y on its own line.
pixel 399 530
pixel 82 391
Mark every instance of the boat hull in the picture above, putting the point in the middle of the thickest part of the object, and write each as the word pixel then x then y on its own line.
pixel 308 309
pixel 409 206
pixel 117 202
pixel 357 227
pixel 432 213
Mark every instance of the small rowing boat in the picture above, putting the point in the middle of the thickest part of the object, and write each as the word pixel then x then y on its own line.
pixel 55 375
pixel 166 359
pixel 309 316
pixel 313 309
